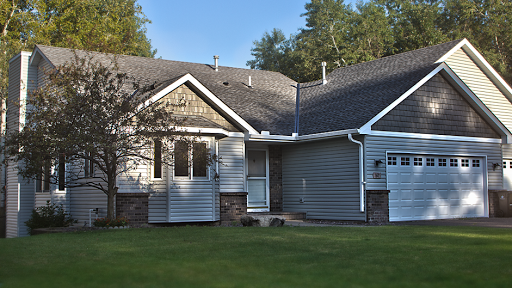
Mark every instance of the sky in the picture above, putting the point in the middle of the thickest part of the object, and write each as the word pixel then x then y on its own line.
pixel 195 30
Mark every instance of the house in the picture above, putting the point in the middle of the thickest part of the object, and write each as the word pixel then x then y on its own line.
pixel 415 136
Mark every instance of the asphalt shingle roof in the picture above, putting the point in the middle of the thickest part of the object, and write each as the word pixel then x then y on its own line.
pixel 352 96
pixel 268 105
pixel 355 94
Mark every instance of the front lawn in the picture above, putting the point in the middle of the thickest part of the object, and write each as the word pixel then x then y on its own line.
pixel 390 256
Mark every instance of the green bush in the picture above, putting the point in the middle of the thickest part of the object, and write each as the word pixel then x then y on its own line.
pixel 50 215
pixel 105 222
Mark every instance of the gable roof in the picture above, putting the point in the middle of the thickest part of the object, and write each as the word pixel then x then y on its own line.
pixel 268 105
pixel 355 94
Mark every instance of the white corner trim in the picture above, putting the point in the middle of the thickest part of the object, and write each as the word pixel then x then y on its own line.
pixel 38 51
pixel 22 53
pixel 367 127
pixel 214 99
pixel 434 137
pixel 453 50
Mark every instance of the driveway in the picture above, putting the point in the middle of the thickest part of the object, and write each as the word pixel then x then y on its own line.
pixel 479 222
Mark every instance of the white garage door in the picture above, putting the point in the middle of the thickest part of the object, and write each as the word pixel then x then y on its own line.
pixel 426 187
pixel 507 174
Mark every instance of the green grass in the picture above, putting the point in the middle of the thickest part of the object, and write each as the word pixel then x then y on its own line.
pixel 390 256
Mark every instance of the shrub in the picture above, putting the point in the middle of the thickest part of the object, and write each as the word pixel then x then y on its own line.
pixel 105 222
pixel 50 215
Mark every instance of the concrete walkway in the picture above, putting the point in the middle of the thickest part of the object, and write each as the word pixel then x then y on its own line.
pixel 477 222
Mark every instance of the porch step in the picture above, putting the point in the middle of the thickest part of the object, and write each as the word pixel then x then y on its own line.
pixel 287 215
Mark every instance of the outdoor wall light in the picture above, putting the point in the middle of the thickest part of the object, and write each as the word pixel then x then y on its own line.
pixel 377 162
pixel 494 165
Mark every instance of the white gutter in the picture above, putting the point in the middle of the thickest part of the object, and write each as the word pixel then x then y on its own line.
pixel 361 172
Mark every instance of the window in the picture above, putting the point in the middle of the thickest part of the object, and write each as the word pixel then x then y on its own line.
pixel 62 172
pixel 504 164
pixel 441 162
pixel 88 167
pixel 510 162
pixel 157 158
pixel 454 162
pixel 431 162
pixel 476 163
pixel 418 161
pixel 405 161
pixel 464 163
pixel 391 160
pixel 199 155
pixel 43 180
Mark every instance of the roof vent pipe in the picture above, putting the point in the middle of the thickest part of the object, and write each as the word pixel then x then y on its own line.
pixel 324 81
pixel 216 58
pixel 250 84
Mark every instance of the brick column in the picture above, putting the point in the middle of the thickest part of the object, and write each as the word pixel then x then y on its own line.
pixel 133 206
pixel 276 178
pixel 232 207
pixel 494 204
pixel 377 206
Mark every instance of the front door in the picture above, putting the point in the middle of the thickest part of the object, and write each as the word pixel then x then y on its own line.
pixel 257 181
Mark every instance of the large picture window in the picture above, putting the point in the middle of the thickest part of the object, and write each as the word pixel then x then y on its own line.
pixel 190 164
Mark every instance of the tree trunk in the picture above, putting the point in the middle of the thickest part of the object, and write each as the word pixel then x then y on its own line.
pixel 111 198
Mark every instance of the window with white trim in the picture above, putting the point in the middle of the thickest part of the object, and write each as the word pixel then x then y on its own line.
pixel 157 160
pixel 43 180
pixel 184 168
pixel 88 167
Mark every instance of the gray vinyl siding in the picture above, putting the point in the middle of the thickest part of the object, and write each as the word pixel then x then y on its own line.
pixel 480 84
pixel 231 170
pixel 19 191
pixel 507 151
pixel 376 147
pixel 326 175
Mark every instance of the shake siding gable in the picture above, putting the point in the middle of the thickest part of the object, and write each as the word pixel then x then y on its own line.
pixel 480 84
pixel 436 108
pixel 321 179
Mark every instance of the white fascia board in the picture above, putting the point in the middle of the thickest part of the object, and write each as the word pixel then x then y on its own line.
pixel 468 93
pixel 38 52
pixel 434 137
pixel 328 134
pixel 214 99
pixel 197 130
pixel 366 128
pixel 271 138
pixel 482 64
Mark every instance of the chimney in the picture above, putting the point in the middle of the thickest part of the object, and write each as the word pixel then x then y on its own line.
pixel 324 81
pixel 216 58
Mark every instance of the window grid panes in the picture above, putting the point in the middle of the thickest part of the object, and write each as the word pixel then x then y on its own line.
pixel 418 161
pixel 454 162
pixel 405 161
pixel 464 163
pixel 441 162
pixel 431 162
pixel 391 160
pixel 476 163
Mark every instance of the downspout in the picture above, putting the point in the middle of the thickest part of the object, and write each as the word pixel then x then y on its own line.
pixel 361 172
